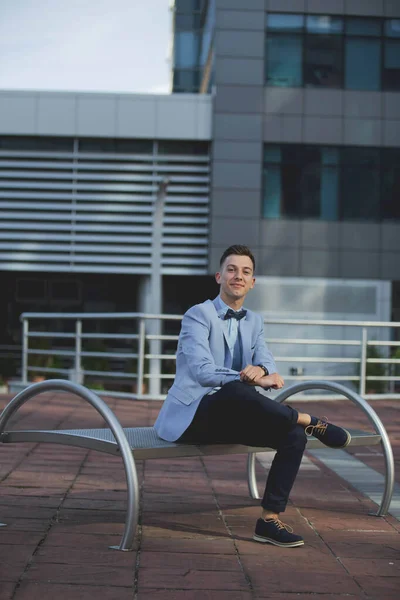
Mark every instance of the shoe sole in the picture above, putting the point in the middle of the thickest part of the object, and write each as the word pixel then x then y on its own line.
pixel 264 540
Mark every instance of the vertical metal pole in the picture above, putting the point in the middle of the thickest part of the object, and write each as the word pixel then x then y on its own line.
pixel 141 351
pixel 363 366
pixel 156 288
pixel 78 351
pixel 25 342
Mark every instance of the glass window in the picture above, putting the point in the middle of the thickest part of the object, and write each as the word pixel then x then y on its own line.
pixel 392 27
pixel 391 67
pixel 187 22
pixel 323 61
pixel 272 192
pixel 360 26
pixel 285 22
pixel 391 183
pixel 187 6
pixel 362 64
pixel 186 80
pixel 283 62
pixel 186 49
pixel 324 24
pixel 360 184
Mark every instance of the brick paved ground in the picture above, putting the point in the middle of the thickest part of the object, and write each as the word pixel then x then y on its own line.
pixel 65 506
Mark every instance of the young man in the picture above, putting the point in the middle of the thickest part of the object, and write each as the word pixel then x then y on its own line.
pixel 221 357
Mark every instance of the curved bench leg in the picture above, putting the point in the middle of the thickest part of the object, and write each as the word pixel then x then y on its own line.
pixel 374 420
pixel 251 476
pixel 51 385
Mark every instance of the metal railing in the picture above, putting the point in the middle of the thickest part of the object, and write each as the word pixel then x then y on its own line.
pixel 363 362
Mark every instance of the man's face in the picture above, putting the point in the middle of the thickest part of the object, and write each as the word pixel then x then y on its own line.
pixel 236 278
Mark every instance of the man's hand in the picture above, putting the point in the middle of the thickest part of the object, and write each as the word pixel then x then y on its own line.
pixel 255 376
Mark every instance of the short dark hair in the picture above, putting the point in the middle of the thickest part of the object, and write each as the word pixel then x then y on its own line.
pixel 239 251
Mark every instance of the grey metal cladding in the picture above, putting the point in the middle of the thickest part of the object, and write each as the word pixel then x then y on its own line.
pixel 239 99
pixel 238 127
pixel 240 19
pixel 237 151
pixel 92 211
pixel 228 175
pixel 236 203
pixel 243 44
pixel 239 71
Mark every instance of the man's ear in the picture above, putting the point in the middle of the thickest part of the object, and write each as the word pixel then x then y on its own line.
pixel 218 277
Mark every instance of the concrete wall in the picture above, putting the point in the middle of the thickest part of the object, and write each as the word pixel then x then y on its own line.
pixel 247 114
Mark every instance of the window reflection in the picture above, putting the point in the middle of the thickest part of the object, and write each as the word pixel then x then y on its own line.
pixel 331 183
pixel 357 53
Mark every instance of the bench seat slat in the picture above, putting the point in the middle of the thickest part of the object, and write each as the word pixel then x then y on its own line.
pixel 146 444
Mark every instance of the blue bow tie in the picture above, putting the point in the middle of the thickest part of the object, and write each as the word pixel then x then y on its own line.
pixel 232 314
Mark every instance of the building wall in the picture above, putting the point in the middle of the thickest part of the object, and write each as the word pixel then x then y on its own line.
pixel 80 174
pixel 247 114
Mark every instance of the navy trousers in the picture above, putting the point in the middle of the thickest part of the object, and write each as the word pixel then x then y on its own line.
pixel 239 414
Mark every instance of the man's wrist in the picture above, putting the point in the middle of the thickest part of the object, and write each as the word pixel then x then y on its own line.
pixel 266 372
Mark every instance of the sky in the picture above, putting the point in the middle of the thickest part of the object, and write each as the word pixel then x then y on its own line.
pixel 85 45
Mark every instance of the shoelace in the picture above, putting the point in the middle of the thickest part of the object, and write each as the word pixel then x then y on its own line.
pixel 280 524
pixel 320 426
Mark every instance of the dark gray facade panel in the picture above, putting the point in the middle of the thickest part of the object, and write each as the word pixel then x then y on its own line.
pixel 226 231
pixel 278 261
pixel 359 236
pixel 364 7
pixel 319 263
pixel 243 44
pixel 323 102
pixel 361 265
pixel 280 233
pixel 280 100
pixel 237 151
pixel 228 175
pixel 322 7
pixel 390 266
pixel 326 129
pixel 236 203
pixel 238 127
pixel 363 104
pixel 273 128
pixel 286 5
pixel 392 8
pixel 320 234
pixel 391 133
pixel 292 129
pixel 239 99
pixel 240 5
pixel 239 71
pixel 390 237
pixel 240 19
pixel 391 104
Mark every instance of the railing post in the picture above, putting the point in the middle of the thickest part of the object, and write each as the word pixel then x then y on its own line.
pixel 78 351
pixel 25 341
pixel 363 365
pixel 141 351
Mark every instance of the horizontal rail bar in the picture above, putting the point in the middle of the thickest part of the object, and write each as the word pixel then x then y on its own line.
pixel 147 316
pixel 315 341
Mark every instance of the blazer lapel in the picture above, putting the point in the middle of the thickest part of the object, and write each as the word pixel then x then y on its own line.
pixel 245 332
pixel 213 302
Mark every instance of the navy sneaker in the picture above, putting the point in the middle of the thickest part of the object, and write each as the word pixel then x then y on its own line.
pixel 330 435
pixel 273 531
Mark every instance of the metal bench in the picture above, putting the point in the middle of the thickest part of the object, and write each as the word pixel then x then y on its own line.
pixel 143 442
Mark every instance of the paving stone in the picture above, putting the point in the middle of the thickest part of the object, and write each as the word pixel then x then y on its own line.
pixel 198 544
pixel 155 594
pixel 80 574
pixel 189 561
pixel 191 579
pixel 80 540
pixel 6 590
pixel 379 567
pixel 359 544
pixel 44 591
pixel 98 555
pixel 380 588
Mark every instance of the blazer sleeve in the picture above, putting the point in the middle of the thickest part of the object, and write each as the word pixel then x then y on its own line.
pixel 261 354
pixel 195 346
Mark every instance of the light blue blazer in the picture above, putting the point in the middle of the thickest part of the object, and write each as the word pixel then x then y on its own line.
pixel 203 362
